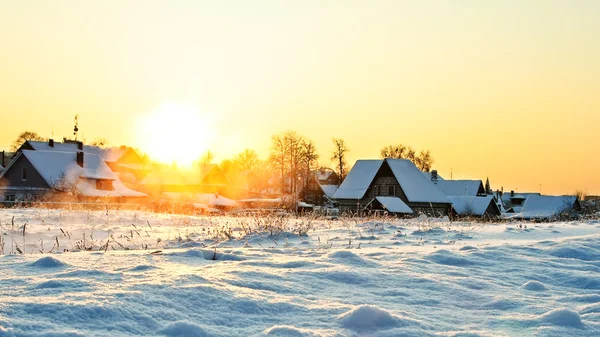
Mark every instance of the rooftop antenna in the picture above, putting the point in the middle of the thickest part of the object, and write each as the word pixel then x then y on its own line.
pixel 450 174
pixel 76 128
pixel 52 131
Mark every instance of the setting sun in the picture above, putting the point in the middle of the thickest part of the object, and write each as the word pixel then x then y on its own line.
pixel 174 133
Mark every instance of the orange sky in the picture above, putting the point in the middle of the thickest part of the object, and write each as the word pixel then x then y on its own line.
pixel 505 89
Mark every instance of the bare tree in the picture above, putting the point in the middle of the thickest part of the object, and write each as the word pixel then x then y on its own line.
pixel 207 157
pixel 99 141
pixel 277 158
pixel 247 160
pixel 339 157
pixel 309 159
pixel 398 152
pixel 66 185
pixel 23 137
pixel 423 160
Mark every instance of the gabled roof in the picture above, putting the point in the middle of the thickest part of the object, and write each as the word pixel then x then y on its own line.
pixel 322 174
pixel 472 205
pixel 414 184
pixel 461 187
pixel 394 205
pixel 545 206
pixel 358 179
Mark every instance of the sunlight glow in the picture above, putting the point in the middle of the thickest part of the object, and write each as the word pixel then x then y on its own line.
pixel 174 133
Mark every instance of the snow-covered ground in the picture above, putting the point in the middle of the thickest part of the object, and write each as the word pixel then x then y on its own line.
pixel 166 275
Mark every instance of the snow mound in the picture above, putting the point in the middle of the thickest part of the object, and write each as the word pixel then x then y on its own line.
pixel 288 331
pixel 448 258
pixel 142 268
pixel 534 286
pixel 207 254
pixel 183 329
pixel 347 257
pixel 579 253
pixel 562 317
pixel 467 248
pixel 48 262
pixel 370 317
pixel 55 284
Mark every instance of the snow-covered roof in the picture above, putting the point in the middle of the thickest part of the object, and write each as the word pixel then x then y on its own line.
pixel 460 187
pixel 323 174
pixel 414 184
pixel 506 196
pixel 53 166
pixel 358 179
pixel 329 190
pixel 110 154
pixel 394 205
pixel 545 206
pixel 472 205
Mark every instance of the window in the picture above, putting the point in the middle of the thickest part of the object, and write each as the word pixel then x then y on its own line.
pixel 10 197
pixel 392 190
pixel 375 190
pixel 24 174
pixel 105 185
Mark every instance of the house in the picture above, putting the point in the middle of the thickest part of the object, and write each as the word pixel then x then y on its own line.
pixel 33 175
pixel 204 178
pixel 320 188
pixel 476 206
pixel 470 188
pixel 395 178
pixel 122 160
pixel 538 207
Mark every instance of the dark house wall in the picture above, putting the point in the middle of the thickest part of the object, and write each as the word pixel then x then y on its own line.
pixel 13 178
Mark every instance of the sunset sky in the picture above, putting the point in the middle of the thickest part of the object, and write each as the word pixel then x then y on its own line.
pixel 508 90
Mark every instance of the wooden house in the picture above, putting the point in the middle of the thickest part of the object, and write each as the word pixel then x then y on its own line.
pixel 33 175
pixel 398 179
pixel 320 188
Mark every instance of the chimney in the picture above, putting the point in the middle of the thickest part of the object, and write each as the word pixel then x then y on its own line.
pixel 434 176
pixel 80 159
pixel 80 145
pixel 2 160
pixel 51 142
pixel 512 193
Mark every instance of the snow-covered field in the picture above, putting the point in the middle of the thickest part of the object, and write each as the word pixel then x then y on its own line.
pixel 166 275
